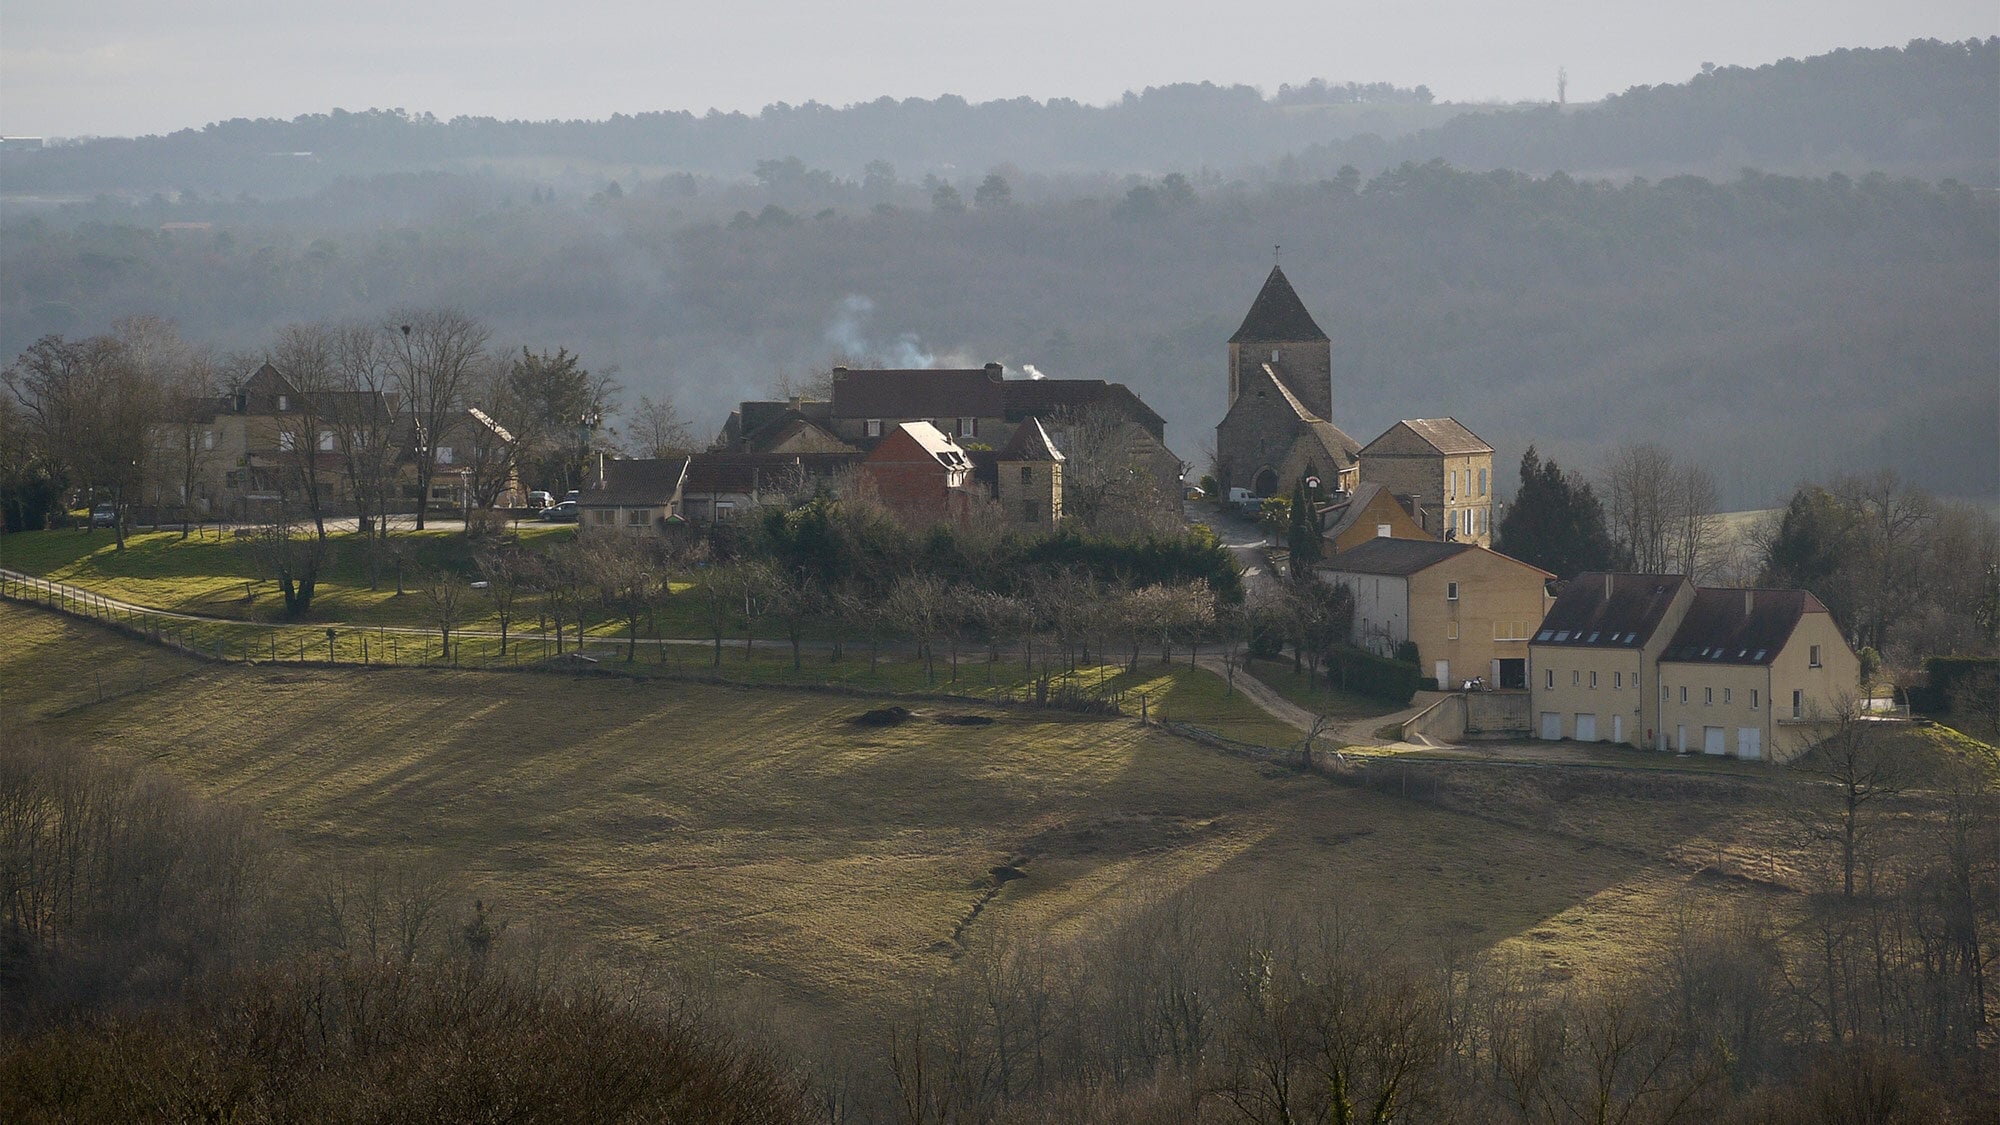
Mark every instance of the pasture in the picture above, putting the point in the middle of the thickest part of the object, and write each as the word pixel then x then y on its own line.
pixel 764 834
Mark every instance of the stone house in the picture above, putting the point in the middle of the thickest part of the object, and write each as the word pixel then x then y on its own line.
pixel 1470 611
pixel 1442 470
pixel 1278 427
pixel 1028 478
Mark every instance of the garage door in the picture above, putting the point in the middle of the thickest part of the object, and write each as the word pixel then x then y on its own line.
pixel 1749 742
pixel 1711 740
pixel 1552 725
pixel 1586 728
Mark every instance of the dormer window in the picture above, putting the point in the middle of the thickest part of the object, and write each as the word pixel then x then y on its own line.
pixel 872 427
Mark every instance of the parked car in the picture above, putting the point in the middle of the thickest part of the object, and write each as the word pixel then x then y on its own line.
pixel 541 500
pixel 572 495
pixel 564 512
pixel 104 515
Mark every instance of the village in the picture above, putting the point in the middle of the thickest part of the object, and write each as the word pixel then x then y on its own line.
pixel 1404 525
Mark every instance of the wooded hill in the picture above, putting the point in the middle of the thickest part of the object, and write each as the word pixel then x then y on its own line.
pixel 1924 109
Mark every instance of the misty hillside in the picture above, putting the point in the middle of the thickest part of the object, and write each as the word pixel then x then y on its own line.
pixel 1778 328
pixel 1924 110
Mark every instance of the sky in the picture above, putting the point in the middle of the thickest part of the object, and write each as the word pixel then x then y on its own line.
pixel 72 68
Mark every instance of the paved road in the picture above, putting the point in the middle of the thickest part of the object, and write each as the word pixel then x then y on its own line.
pixel 1245 542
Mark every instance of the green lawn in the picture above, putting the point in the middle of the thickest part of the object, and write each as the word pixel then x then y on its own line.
pixel 1317 695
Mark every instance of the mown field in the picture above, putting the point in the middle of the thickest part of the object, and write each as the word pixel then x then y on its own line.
pixel 828 865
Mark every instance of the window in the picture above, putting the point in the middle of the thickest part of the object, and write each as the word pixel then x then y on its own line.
pixel 1575 679
pixel 1684 695
pixel 872 427
pixel 444 454
pixel 1617 681
pixel 1381 531
pixel 1482 482
pixel 636 517
pixel 1753 699
pixel 1812 656
pixel 1451 630
pixel 326 439
pixel 1027 474
pixel 968 427
pixel 1552 677
pixel 1727 695
pixel 208 439
pixel 1451 591
pixel 1593 681
pixel 286 440
pixel 1708 697
pixel 1663 693
pixel 1450 485
pixel 284 403
pixel 1798 705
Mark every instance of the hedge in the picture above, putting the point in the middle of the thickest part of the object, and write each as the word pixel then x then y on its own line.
pixel 1943 674
pixel 1391 681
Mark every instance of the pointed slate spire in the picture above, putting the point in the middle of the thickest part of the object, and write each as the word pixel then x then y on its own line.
pixel 1030 443
pixel 1278 314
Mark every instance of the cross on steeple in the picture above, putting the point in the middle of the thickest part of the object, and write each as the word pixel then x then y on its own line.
pixel 1275 255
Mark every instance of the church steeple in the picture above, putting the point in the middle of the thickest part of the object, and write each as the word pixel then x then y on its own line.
pixel 1280 334
pixel 1277 315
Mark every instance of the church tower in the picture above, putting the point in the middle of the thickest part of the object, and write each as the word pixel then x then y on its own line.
pixel 1278 429
pixel 1280 333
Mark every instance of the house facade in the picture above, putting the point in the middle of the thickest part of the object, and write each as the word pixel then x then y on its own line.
pixel 631 496
pixel 1594 663
pixel 1758 674
pixel 1650 660
pixel 1369 512
pixel 920 474
pixel 1443 470
pixel 1469 611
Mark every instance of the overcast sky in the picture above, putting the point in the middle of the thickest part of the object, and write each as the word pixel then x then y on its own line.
pixel 122 67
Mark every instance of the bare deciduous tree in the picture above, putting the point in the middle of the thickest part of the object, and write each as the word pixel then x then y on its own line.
pixel 436 352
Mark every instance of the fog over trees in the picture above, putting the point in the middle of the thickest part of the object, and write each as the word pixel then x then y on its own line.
pixel 1816 317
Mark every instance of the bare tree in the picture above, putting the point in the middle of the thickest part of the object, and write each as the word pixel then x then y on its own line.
pixel 505 572
pixel 436 353
pixel 362 415
pixel 1854 770
pixel 656 428
pixel 279 551
pixel 93 407
pixel 306 355
pixel 447 600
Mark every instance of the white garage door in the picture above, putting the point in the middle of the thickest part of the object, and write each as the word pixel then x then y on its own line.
pixel 1711 740
pixel 1586 728
pixel 1749 742
pixel 1552 725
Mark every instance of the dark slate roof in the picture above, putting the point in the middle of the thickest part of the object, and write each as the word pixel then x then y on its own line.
pixel 1030 443
pixel 1446 435
pixel 636 482
pixel 1278 314
pixel 749 472
pixel 1394 557
pixel 1584 615
pixel 928 392
pixel 1044 398
pixel 1738 626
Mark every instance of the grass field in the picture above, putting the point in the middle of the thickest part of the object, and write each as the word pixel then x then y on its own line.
pixel 763 832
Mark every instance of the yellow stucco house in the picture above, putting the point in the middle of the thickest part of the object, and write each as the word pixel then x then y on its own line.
pixel 1650 660
pixel 1470 611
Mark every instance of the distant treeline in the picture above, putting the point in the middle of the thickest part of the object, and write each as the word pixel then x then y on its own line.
pixel 1924 109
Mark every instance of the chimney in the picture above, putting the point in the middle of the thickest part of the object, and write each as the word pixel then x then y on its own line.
pixel 839 369
pixel 993 371
pixel 1607 585
pixel 798 402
